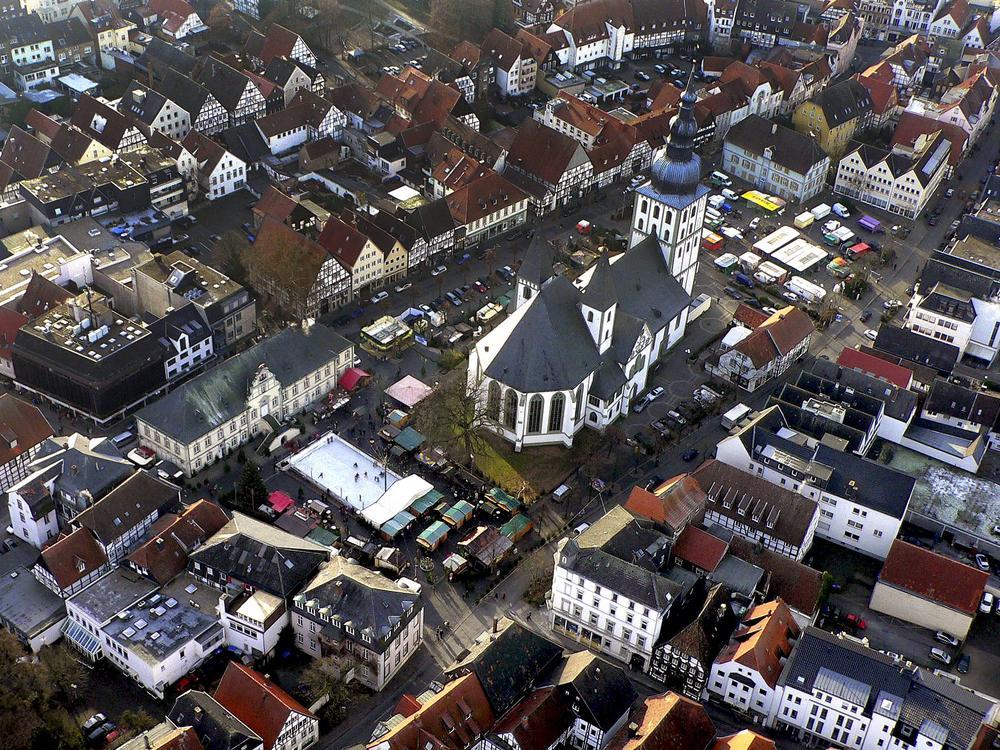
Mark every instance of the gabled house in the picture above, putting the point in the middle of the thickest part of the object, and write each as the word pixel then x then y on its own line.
pixel 835 115
pixel 361 257
pixel 205 113
pixel 109 31
pixel 515 67
pixel 114 130
pixel 279 42
pixel 299 274
pixel 219 172
pixel 173 537
pixel 71 563
pixel 153 110
pixel 273 715
pixel 292 76
pixel 552 168
pixel 176 19
pixel 23 430
pixel 234 90
pixel 487 206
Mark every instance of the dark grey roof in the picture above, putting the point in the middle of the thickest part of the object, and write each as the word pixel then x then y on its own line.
pixel 646 288
pixel 126 506
pixel 959 273
pixel 224 82
pixel 187 320
pixel 69 32
pixel 960 402
pixel 245 142
pixel 26 606
pixel 600 290
pixel 608 381
pixel 817 650
pixel 844 101
pixel 372 603
pixel 904 343
pixel 184 92
pixel 163 56
pixel 876 486
pixel 737 575
pixel 432 219
pixel 796 151
pixel 550 347
pixel 898 402
pixel 605 692
pixel 215 725
pixel 23 30
pixel 508 664
pixel 279 70
pixel 141 102
pixel 957 710
pixel 950 303
pixel 84 466
pixel 537 265
pixel 261 555
pixel 216 396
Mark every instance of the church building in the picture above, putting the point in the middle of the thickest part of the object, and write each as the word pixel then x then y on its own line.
pixel 575 354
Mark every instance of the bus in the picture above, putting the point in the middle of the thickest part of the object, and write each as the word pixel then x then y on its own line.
pixel 769 204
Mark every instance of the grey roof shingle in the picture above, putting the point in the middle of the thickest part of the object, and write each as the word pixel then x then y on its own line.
pixel 791 149
pixel 216 396
pixel 215 725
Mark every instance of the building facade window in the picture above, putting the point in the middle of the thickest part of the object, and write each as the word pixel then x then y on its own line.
pixel 556 408
pixel 510 409
pixel 535 407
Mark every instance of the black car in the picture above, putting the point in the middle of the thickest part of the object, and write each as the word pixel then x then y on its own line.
pixel 964 662
pixel 690 455
pixel 866 316
pixel 733 293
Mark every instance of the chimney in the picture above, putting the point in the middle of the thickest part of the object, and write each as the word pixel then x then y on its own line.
pixel 496 623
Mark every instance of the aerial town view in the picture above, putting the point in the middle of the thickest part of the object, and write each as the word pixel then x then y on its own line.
pixel 500 374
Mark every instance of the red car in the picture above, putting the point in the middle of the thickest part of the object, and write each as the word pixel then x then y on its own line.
pixel 856 621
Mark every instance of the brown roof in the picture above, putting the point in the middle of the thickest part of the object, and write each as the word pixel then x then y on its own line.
pixel 342 241
pixel 778 335
pixel 539 720
pixel 10 323
pixel 71 144
pixel 749 316
pixel 666 722
pixel 173 537
pixel 676 503
pixel 505 50
pixel 796 583
pixel 542 152
pixel 206 152
pixel 275 203
pixel 24 153
pixel 126 506
pixel 454 168
pixel 935 577
pixel 43 125
pixel 755 502
pixel 257 702
pixel 453 719
pixel 103 123
pixel 764 638
pixel 291 118
pixel 912 125
pixel 355 98
pixel 482 197
pixel 533 46
pixel 746 739
pixel 40 295
pixel 289 259
pixel 466 53
pixel 701 549
pixel 73 556
pixel 22 427
pixel 279 42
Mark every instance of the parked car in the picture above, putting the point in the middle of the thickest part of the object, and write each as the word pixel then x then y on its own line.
pixel 648 399
pixel 870 334
pixel 439 270
pixel 100 732
pixel 941 656
pixel 453 299
pixel 964 662
pixel 676 416
pixel 856 621
pixel 754 222
pixel 987 603
pixel 378 297
pixel 891 304
pixel 866 316
pixel 733 293
pixel 642 75
pixel 93 721
pixel 403 287
pixel 790 296
pixel 983 562
pixel 689 455
pixel 946 638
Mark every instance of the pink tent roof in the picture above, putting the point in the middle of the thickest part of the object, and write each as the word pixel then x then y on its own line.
pixel 280 501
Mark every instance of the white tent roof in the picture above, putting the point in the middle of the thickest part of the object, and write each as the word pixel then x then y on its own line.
pixel 397 498
pixel 409 391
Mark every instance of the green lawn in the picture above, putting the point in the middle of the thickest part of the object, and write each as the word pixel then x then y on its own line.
pixel 533 471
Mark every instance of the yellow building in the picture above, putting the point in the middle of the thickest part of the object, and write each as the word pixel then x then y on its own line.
pixel 835 115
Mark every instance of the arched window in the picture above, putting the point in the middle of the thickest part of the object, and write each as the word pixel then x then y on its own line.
pixel 579 404
pixel 510 409
pixel 535 406
pixel 493 401
pixel 556 412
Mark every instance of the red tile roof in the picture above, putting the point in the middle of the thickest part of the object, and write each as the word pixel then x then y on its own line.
pixel 876 367
pixel 174 537
pixel 257 702
pixel 542 152
pixel 744 740
pixel 538 721
pixel 22 427
pixel 776 336
pixel 700 548
pixel 279 42
pixel 342 241
pixel 935 577
pixel 10 323
pixel 676 502
pixel 666 722
pixel 749 317
pixel 275 204
pixel 764 638
pixel 912 125
pixel 73 556
pixel 483 197
pixel 453 719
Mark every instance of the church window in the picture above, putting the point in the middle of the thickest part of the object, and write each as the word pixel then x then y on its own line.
pixel 556 412
pixel 656 212
pixel 510 409
pixel 493 400
pixel 535 406
pixel 579 403
pixel 590 316
pixel 639 224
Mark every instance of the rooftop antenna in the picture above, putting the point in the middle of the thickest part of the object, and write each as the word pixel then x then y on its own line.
pixel 90 308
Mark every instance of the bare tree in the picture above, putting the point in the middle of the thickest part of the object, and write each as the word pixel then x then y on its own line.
pixel 456 416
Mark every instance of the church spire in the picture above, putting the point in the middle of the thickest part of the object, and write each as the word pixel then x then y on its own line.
pixel 678 170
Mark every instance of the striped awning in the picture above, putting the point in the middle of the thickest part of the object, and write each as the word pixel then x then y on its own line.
pixel 82 639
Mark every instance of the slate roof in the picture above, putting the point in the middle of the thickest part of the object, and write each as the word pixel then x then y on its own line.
pixel 224 82
pixel 796 583
pixel 957 401
pixel 797 152
pixel 257 702
pixel 432 220
pixel 216 396
pixel 165 57
pixel 929 575
pixel 27 605
pixel 126 506
pixel 913 347
pixel 143 103
pixel 844 101
pixel 92 465
pixel 261 555
pixel 507 663
pixel 184 92
pixel 604 691
pixel 216 726
pixel 366 599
